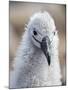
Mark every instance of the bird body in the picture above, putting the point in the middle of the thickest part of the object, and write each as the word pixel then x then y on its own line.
pixel 31 68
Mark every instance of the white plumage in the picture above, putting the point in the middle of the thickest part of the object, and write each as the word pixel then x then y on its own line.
pixel 31 67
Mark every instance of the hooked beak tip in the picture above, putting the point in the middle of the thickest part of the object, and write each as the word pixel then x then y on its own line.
pixel 48 59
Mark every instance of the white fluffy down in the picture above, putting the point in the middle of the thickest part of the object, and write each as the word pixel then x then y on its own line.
pixel 31 68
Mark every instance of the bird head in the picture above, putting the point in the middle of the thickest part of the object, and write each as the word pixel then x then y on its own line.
pixel 42 32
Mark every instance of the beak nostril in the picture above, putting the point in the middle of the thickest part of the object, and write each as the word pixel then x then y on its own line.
pixel 47 40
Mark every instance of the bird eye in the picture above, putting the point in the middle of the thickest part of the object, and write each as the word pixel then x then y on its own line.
pixel 34 32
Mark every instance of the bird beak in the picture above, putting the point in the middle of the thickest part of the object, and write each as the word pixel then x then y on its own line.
pixel 44 47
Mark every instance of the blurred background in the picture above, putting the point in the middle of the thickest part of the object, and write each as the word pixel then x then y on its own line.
pixel 19 14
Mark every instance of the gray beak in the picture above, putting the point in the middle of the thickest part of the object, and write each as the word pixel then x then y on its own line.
pixel 44 47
